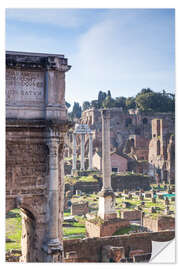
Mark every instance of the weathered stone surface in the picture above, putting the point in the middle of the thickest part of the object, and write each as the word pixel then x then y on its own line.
pixel 36 123
pixel 161 223
pixel 112 254
pixel 105 228
pixel 89 249
pixel 79 208
pixel 131 215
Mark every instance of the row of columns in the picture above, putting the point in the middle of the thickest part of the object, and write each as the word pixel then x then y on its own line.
pixel 74 168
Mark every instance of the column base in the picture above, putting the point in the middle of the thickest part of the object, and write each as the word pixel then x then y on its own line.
pixel 107 205
pixel 53 247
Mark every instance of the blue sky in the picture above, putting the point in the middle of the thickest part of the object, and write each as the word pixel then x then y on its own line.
pixel 122 50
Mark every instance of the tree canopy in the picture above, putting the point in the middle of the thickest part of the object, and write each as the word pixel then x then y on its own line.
pixel 145 100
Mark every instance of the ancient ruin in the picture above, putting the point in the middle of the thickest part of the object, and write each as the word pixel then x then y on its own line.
pixel 36 123
pixel 106 196
pixel 115 210
pixel 82 130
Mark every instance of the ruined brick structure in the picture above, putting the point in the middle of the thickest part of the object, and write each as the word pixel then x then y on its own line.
pixel 130 133
pixel 119 162
pixel 106 228
pixel 36 123
pixel 91 249
pixel 132 126
pixel 79 208
pixel 160 223
pixel 162 151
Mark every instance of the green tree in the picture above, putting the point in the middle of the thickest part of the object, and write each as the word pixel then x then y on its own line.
pixel 155 101
pixel 86 105
pixel 108 102
pixel 120 102
pixel 130 103
pixel 109 93
pixel 76 111
pixel 101 98
pixel 95 104
pixel 68 105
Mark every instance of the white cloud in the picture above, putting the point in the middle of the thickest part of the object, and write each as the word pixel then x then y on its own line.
pixel 115 55
pixel 58 17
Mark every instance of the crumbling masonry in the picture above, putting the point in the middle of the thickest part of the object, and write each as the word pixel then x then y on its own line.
pixel 36 123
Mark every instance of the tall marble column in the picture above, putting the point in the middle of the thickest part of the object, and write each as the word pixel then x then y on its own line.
pixel 54 246
pixel 106 196
pixel 90 151
pixel 74 152
pixel 82 151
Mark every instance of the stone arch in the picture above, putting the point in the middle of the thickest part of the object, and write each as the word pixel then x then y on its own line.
pixel 28 237
pixel 28 234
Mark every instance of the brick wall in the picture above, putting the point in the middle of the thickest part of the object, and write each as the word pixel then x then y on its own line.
pixel 89 249
pixel 79 209
pixel 131 215
pixel 107 228
pixel 159 224
pixel 119 162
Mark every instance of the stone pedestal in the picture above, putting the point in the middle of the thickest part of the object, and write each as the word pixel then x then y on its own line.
pixel 107 205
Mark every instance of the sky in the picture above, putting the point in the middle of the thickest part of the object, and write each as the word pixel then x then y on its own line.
pixel 121 50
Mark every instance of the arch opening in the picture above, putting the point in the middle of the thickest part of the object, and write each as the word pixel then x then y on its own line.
pixel 20 235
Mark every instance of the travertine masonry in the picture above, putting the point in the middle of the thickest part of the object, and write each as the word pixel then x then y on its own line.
pixel 36 123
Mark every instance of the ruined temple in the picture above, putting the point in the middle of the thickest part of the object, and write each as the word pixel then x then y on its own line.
pixel 162 151
pixel 131 125
pixel 36 124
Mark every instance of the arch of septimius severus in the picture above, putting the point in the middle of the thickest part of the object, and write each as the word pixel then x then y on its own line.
pixel 36 123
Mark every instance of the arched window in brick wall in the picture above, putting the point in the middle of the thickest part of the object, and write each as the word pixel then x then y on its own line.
pixel 158 148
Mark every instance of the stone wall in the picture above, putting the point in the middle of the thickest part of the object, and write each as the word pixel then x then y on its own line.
pixel 130 182
pixel 87 187
pixel 36 123
pixel 79 208
pixel 162 151
pixel 106 228
pixel 90 249
pixel 131 215
pixel 118 183
pixel 161 223
pixel 123 125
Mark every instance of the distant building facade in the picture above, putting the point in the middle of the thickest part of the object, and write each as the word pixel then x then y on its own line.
pixel 119 163
pixel 162 151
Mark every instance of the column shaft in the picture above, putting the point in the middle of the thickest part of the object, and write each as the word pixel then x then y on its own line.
pixel 53 192
pixel 106 160
pixel 82 151
pixel 90 152
pixel 74 152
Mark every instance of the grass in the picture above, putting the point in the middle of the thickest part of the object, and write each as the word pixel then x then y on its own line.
pixel 77 230
pixel 126 230
pixel 13 229
pixel 75 179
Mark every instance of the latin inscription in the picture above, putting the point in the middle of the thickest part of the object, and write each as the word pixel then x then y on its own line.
pixel 24 87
